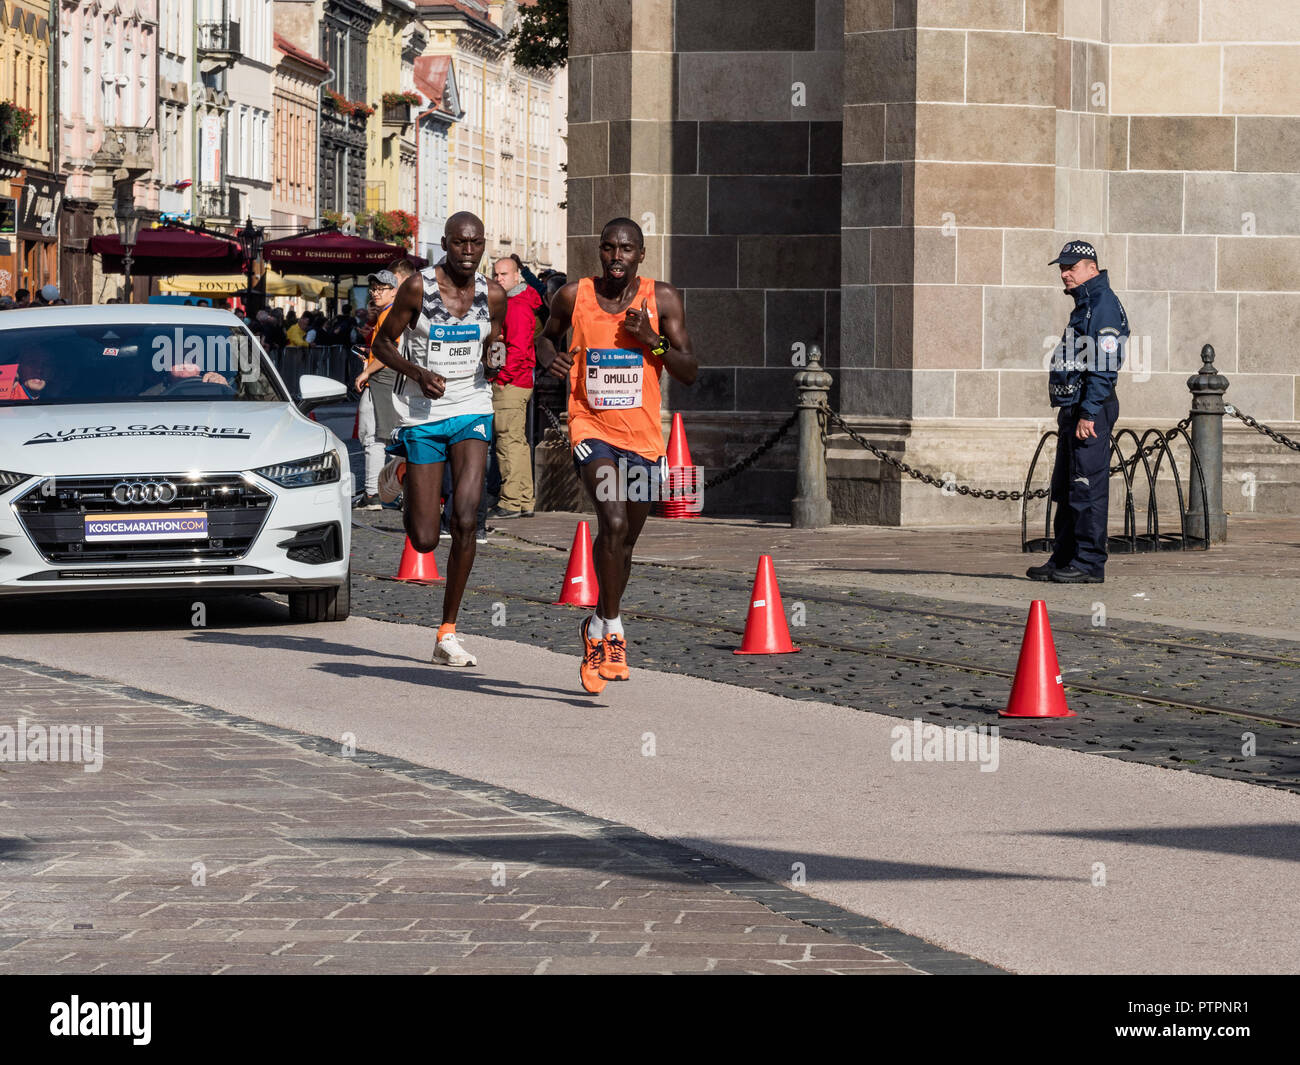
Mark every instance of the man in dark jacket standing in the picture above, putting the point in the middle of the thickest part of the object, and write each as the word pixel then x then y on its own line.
pixel 511 390
pixel 1081 383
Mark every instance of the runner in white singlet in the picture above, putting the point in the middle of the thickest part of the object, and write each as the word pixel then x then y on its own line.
pixel 447 320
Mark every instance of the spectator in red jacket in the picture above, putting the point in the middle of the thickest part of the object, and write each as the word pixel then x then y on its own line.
pixel 511 390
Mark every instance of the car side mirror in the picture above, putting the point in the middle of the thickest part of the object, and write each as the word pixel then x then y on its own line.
pixel 314 391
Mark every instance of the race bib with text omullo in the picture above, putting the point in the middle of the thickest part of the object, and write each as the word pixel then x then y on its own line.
pixel 614 378
pixel 455 350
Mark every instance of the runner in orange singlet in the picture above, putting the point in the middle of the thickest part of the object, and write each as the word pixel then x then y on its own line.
pixel 626 331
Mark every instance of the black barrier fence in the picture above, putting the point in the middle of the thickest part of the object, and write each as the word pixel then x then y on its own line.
pixel 1189 534
pixel 335 361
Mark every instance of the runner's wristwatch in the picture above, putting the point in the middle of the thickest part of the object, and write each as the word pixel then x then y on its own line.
pixel 658 350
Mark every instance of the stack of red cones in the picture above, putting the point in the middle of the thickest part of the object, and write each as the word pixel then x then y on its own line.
pixel 681 496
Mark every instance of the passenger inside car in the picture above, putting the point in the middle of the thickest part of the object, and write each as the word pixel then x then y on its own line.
pixel 27 379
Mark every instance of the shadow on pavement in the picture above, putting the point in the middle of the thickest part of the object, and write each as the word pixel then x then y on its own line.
pixel 127 613
pixel 426 675
pixel 566 852
pixel 1279 840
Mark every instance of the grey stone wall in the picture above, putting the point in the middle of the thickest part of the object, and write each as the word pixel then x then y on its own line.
pixel 721 135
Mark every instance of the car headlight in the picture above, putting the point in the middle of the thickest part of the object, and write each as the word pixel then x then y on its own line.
pixel 8 479
pixel 303 473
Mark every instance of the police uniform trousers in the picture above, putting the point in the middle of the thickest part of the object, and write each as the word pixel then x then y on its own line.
pixel 1081 490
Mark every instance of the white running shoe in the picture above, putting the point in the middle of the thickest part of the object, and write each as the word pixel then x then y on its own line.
pixel 390 480
pixel 449 652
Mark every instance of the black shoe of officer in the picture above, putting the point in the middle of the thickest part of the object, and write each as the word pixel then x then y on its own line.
pixel 1041 573
pixel 1070 575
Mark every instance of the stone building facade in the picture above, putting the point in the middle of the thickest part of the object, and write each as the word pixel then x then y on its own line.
pixel 344 28
pixel 914 166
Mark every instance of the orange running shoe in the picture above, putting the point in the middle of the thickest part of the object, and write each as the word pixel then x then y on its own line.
pixel 593 655
pixel 614 667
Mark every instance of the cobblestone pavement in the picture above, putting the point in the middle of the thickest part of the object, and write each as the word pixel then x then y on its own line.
pixel 687 621
pixel 209 843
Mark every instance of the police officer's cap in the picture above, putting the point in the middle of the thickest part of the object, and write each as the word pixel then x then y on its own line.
pixel 1073 251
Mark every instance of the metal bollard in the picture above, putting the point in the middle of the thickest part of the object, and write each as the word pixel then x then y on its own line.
pixel 812 506
pixel 1207 388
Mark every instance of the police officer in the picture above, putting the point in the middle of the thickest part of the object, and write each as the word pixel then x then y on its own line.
pixel 1081 383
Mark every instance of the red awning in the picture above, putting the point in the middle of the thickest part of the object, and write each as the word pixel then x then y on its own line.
pixel 331 252
pixel 159 252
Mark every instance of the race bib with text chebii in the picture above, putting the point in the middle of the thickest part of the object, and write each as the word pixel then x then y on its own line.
pixel 614 378
pixel 455 350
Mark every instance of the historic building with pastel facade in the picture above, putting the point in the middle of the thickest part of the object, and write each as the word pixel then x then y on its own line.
pixel 506 150
pixel 108 107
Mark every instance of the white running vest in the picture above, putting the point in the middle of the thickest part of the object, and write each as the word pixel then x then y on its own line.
pixel 451 347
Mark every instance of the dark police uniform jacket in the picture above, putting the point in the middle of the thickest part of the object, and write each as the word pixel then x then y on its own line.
pixel 1085 365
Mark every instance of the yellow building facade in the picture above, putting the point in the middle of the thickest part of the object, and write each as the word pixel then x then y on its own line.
pixel 395 39
pixel 28 242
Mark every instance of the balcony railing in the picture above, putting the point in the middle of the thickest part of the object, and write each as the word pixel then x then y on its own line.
pixel 219 37
pixel 218 202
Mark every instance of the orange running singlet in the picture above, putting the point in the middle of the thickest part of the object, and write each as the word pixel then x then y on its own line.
pixel 614 387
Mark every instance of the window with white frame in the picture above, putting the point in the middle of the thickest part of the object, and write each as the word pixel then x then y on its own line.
pixel 242 150
pixel 108 85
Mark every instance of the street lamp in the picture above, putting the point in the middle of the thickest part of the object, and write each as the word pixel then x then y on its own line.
pixel 251 237
pixel 128 228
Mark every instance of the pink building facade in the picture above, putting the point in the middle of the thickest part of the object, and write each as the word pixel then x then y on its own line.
pixel 108 147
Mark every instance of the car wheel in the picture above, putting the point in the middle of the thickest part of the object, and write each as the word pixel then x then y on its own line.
pixel 322 604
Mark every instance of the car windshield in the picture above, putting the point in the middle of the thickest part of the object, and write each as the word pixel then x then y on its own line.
pixel 133 363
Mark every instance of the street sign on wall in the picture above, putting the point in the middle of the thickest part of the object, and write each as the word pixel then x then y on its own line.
pixel 8 216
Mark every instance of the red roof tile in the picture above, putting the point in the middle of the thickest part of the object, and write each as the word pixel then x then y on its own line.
pixel 301 54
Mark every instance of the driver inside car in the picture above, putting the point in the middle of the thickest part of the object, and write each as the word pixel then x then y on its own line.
pixel 178 373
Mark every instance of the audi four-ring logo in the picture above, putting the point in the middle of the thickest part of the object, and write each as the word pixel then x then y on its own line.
pixel 144 492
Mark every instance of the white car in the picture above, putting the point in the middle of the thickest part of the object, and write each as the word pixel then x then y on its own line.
pixel 156 448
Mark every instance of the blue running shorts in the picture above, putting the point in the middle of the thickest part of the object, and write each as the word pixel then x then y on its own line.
pixel 426 444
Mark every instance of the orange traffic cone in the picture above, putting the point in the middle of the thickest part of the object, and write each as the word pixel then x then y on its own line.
pixel 1037 690
pixel 679 452
pixel 766 632
pixel 417 565
pixel 580 585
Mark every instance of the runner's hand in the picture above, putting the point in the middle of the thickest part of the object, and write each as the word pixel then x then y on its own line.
pixel 431 384
pixel 637 322
pixel 563 362
pixel 496 355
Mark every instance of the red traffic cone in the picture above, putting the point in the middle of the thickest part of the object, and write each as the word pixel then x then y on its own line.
pixel 356 426
pixel 580 585
pixel 1037 690
pixel 679 452
pixel 766 632
pixel 417 565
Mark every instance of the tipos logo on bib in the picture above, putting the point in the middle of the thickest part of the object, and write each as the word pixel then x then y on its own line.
pixel 614 378
pixel 455 350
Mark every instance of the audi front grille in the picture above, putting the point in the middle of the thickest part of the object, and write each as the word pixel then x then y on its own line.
pixel 53 512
